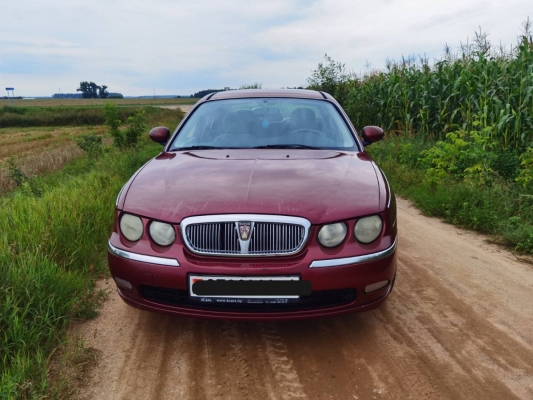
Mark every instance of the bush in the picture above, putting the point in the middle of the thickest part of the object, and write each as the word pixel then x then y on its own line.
pixel 491 205
pixel 136 126
pixel 128 137
pixel 92 145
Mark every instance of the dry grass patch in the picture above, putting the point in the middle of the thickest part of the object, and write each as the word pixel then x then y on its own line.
pixel 16 142
pixel 40 162
pixel 39 150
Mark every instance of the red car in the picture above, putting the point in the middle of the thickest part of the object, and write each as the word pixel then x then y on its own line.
pixel 263 204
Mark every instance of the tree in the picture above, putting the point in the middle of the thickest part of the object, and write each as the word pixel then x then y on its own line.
pixel 128 137
pixel 91 90
pixel 252 86
pixel 205 92
pixel 102 92
pixel 330 77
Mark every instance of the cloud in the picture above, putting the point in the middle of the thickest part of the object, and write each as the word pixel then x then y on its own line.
pixel 178 47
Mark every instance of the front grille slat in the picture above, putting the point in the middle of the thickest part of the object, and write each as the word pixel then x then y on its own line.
pixel 266 238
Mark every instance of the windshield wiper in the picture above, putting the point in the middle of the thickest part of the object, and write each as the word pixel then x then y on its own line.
pixel 285 146
pixel 196 148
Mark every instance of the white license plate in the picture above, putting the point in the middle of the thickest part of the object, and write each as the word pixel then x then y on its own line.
pixel 195 278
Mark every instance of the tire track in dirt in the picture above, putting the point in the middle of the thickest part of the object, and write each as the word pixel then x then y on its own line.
pixel 457 326
pixel 285 376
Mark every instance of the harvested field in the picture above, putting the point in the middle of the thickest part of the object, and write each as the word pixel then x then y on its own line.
pixel 39 150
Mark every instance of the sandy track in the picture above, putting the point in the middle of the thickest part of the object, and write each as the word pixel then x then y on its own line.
pixel 458 325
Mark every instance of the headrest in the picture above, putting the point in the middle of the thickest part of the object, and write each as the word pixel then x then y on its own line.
pixel 238 122
pixel 303 118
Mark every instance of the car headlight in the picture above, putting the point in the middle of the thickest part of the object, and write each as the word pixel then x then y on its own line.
pixel 131 227
pixel 368 229
pixel 332 235
pixel 161 233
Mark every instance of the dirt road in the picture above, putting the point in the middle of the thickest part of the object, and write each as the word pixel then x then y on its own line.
pixel 458 325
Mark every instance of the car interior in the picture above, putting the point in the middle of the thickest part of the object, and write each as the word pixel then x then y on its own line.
pixel 262 126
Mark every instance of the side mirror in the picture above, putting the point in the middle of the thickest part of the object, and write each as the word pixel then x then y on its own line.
pixel 371 134
pixel 160 135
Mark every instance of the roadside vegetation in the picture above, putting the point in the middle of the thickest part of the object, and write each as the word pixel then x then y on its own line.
pixel 40 149
pixel 63 116
pixel 459 131
pixel 53 233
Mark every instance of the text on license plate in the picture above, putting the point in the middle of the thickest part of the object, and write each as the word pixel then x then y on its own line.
pixel 264 287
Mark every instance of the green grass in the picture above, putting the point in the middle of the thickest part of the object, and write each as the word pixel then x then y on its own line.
pixel 51 250
pixel 73 116
pixel 501 208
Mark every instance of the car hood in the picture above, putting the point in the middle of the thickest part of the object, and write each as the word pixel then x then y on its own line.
pixel 320 185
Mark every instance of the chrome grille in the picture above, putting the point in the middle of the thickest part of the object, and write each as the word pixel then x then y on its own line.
pixel 269 236
pixel 221 238
pixel 276 238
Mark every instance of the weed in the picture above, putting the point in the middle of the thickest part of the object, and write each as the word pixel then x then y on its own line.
pixel 15 173
pixel 92 145
pixel 136 126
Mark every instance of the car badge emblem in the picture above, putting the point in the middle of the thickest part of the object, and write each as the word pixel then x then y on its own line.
pixel 245 229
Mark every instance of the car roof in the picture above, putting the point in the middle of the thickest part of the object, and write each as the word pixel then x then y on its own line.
pixel 247 93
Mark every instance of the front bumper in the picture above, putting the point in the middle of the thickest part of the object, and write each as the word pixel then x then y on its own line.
pixel 325 275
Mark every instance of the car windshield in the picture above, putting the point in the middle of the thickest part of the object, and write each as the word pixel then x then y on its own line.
pixel 265 123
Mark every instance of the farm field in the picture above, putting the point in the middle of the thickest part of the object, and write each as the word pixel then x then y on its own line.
pixel 39 150
pixel 95 102
pixel 38 145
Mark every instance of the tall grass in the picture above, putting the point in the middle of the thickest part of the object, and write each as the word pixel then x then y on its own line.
pixel 51 249
pixel 481 82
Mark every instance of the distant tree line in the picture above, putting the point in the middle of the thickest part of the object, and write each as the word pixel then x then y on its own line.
pixel 67 95
pixel 90 90
pixel 203 93
pixel 80 95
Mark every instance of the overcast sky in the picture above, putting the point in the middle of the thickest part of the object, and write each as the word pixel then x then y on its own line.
pixel 179 47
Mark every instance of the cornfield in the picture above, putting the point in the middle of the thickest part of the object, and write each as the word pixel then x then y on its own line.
pixel 479 85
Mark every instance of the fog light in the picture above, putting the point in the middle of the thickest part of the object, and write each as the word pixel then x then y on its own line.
pixel 376 286
pixel 123 283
